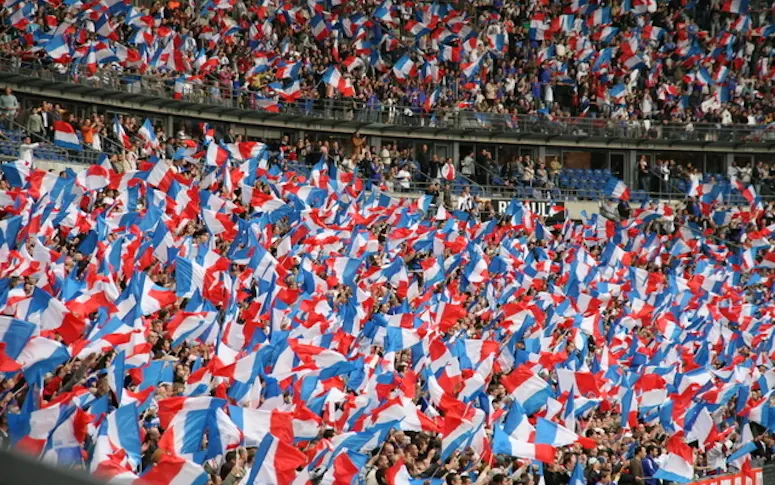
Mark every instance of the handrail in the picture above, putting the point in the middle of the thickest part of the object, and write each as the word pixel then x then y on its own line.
pixel 411 116
pixel 86 156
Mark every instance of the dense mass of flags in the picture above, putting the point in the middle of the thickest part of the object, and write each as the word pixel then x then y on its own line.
pixel 442 38
pixel 308 290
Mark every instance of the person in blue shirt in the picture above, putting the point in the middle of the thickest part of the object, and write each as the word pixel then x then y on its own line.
pixel 650 466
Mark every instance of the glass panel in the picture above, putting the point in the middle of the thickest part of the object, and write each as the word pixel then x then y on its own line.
pixel 508 153
pixel 442 150
pixel 599 160
pixel 714 163
pixel 617 164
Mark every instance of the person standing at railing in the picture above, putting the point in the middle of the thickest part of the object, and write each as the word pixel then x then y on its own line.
pixel 48 120
pixel 664 176
pixel 644 175
pixel 467 165
pixel 435 167
pixel 358 143
pixel 35 122
pixel 9 104
pixel 424 160
pixel 26 150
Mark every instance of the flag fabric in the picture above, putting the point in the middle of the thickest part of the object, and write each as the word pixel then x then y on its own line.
pixel 299 313
pixel 616 189
pixel 66 137
pixel 334 78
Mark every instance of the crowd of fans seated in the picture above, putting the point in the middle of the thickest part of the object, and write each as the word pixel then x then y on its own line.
pixel 653 62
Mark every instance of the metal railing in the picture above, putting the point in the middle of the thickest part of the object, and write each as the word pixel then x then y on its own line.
pixel 49 151
pixel 212 93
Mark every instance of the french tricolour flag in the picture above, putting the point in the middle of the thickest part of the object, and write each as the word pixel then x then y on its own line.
pixel 216 156
pixel 720 76
pixel 398 474
pixel 398 339
pixel 219 223
pixel 51 314
pixel 148 133
pixel 255 424
pixel 276 462
pixel 344 269
pixel 118 431
pixel 319 28
pixel 347 465
pixel 41 355
pixel 528 389
pixel 118 130
pixel 703 77
pixel 550 433
pixel 432 271
pixel 14 334
pixel 334 78
pixel 735 6
pixel 617 189
pixel 65 136
pixel 506 445
pixel 187 326
pixel 679 466
pixel 404 68
pixel 174 470
pixel 245 150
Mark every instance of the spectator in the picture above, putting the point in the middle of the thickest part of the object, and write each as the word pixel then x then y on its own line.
pixel 650 465
pixel 435 167
pixel 358 143
pixel 732 170
pixel 424 160
pixel 467 166
pixel 9 104
pixel 35 123
pixel 745 173
pixel 434 192
pixel 636 463
pixel 465 201
pixel 385 155
pixel 26 150
pixel 528 174
pixel 554 172
pixel 759 176
pixel 644 174
pixel 87 132
pixel 542 175
pixel 664 176
pixel 48 120
pixel 404 178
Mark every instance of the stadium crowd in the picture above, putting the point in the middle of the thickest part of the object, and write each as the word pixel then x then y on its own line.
pixel 644 61
pixel 207 313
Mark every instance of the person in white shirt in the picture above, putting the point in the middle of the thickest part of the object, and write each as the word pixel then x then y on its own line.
pixel 404 178
pixel 26 151
pixel 465 202
pixel 732 171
